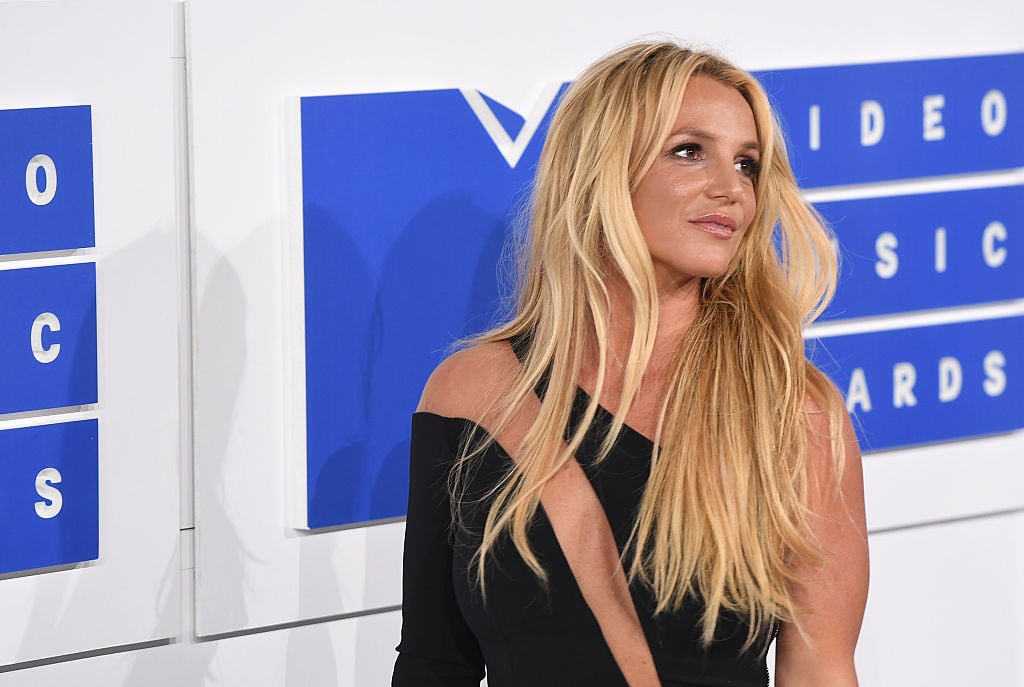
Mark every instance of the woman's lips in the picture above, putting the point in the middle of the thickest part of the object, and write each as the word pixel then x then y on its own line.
pixel 716 224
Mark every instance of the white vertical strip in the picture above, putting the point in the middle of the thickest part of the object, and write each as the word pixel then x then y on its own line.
pixel 186 313
pixel 294 384
pixel 182 225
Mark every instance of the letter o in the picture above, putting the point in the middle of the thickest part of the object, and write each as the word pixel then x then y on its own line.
pixel 44 196
pixel 993 112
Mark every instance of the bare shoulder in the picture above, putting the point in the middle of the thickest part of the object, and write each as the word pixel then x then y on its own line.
pixel 819 410
pixel 468 382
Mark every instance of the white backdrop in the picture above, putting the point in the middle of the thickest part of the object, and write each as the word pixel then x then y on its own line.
pixel 80 53
pixel 947 604
pixel 241 87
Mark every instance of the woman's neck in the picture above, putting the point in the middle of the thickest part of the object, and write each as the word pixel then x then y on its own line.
pixel 676 312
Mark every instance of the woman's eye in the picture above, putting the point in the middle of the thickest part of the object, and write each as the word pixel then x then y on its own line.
pixel 687 151
pixel 749 167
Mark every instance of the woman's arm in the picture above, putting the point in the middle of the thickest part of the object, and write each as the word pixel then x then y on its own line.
pixel 437 647
pixel 834 595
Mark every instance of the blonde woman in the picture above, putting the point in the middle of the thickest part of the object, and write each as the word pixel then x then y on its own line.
pixel 639 479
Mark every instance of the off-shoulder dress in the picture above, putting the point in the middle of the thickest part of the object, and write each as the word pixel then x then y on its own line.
pixel 526 634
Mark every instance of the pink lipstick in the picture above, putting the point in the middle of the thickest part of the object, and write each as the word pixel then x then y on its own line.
pixel 716 224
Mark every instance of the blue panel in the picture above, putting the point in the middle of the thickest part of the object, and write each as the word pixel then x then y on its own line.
pixel 928 384
pixel 65 220
pixel 928 251
pixel 49 495
pixel 66 376
pixel 958 96
pixel 406 205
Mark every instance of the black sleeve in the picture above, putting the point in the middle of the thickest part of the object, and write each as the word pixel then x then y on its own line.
pixel 437 647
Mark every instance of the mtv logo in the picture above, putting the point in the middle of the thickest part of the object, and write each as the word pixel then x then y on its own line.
pixel 407 202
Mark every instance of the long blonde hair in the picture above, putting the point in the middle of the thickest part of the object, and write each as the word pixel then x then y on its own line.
pixel 724 515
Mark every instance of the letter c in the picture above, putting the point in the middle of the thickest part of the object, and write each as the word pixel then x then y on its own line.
pixel 44 354
pixel 994 256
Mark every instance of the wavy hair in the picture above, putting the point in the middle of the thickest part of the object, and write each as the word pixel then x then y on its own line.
pixel 724 517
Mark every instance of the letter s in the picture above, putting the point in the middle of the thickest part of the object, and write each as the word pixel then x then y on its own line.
pixel 45 480
pixel 888 262
pixel 995 375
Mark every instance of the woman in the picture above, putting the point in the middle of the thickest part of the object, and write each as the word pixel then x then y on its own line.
pixel 640 479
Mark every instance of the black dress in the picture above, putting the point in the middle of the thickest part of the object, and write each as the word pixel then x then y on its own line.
pixel 528 635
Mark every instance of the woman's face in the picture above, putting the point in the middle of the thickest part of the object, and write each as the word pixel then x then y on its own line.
pixel 697 199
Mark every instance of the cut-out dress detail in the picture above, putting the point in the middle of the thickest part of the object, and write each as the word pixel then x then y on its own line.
pixel 529 635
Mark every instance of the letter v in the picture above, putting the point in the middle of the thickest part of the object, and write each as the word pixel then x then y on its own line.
pixel 510 150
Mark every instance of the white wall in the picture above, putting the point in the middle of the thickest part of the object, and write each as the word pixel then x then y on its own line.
pixel 80 53
pixel 249 600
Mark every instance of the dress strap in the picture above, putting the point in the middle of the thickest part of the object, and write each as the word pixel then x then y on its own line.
pixel 520 344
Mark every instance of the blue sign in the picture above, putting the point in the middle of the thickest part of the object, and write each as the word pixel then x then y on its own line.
pixel 926 251
pixel 897 120
pixel 46 191
pixel 406 204
pixel 49 495
pixel 47 337
pixel 927 384
pixel 408 199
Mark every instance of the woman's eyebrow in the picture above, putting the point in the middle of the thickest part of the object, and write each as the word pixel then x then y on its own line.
pixel 694 133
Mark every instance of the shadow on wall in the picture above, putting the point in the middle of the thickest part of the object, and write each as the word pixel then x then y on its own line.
pixel 219 370
pixel 437 285
pixel 340 351
pixel 57 603
pixel 186 663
